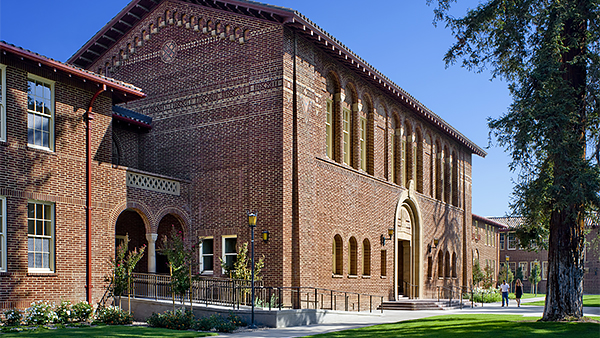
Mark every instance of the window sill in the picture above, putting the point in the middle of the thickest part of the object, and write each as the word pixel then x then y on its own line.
pixel 337 276
pixel 353 276
pixel 41 273
pixel 366 276
pixel 383 277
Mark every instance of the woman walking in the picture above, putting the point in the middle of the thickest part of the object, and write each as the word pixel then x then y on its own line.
pixel 518 292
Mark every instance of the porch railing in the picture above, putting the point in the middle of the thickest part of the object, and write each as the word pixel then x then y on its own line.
pixel 236 293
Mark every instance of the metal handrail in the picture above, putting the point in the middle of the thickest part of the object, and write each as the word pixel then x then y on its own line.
pixel 230 292
pixel 451 289
pixel 414 287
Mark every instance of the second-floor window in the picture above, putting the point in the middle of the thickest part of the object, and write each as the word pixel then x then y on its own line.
pixel 2 103
pixel 40 113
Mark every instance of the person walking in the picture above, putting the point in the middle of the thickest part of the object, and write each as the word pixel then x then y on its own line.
pixel 504 288
pixel 518 292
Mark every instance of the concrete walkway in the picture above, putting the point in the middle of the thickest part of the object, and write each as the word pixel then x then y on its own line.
pixel 397 316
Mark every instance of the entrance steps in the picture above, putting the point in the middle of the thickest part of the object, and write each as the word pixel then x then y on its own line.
pixel 406 304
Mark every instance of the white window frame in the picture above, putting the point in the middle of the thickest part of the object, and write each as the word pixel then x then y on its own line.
pixel 329 129
pixel 35 78
pixel 3 241
pixel 347 134
pixel 508 241
pixel 202 255
pixel 363 144
pixel 502 240
pixel 52 243
pixel 544 270
pixel 223 254
pixel 2 103
pixel 524 266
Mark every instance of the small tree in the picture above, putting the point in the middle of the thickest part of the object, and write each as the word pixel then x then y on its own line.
pixel 535 276
pixel 179 257
pixel 506 274
pixel 478 275
pixel 519 274
pixel 122 268
pixel 488 279
pixel 242 268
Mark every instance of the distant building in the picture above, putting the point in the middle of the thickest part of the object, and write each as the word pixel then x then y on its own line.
pixel 515 256
pixel 485 242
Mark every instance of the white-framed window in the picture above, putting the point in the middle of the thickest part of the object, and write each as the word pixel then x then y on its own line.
pixel 512 241
pixel 347 115
pixel 2 234
pixel 207 260
pixel 40 113
pixel 523 266
pixel 2 102
pixel 229 245
pixel 40 244
pixel 502 236
pixel 329 129
pixel 545 270
pixel 363 144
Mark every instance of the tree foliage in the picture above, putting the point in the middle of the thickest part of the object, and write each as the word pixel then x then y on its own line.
pixel 535 276
pixel 122 266
pixel 549 53
pixel 506 274
pixel 242 269
pixel 477 273
pixel 179 257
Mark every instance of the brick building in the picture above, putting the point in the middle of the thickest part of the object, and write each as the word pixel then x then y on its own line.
pixel 485 243
pixel 515 256
pixel 259 109
pixel 248 107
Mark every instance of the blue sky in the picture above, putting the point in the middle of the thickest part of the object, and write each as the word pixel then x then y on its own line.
pixel 395 36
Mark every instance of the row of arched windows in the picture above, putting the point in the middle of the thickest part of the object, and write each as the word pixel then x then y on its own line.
pixel 338 256
pixel 447 265
pixel 350 139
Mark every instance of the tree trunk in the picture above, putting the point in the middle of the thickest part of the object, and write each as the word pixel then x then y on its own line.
pixel 565 273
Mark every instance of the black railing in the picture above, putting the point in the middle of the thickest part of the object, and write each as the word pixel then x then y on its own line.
pixel 450 292
pixel 236 293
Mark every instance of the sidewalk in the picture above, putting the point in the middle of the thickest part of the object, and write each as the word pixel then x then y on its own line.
pixel 397 316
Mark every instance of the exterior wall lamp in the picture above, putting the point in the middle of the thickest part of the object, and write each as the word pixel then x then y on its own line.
pixel 390 234
pixel 265 236
pixel 433 245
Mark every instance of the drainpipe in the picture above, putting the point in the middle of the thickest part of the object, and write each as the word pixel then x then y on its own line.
pixel 89 116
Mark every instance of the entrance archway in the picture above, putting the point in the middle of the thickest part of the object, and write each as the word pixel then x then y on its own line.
pixel 130 223
pixel 408 263
pixel 165 226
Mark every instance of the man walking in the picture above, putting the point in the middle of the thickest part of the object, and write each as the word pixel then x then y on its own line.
pixel 504 288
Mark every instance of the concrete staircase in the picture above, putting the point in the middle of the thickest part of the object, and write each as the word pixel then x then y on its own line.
pixel 405 304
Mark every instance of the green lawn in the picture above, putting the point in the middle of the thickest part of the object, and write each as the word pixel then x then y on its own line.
pixel 588 300
pixel 473 325
pixel 107 331
pixel 527 295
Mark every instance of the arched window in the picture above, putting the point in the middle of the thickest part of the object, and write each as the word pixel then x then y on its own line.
pixel 396 151
pixel 116 152
pixel 447 176
pixel 366 258
pixel 454 275
pixel 429 267
pixel 337 255
pixel 332 119
pixel 454 179
pixel 447 264
pixel 419 174
pixel 441 264
pixel 439 177
pixel 353 256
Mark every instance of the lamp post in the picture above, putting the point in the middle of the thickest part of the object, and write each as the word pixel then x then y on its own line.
pixel 252 224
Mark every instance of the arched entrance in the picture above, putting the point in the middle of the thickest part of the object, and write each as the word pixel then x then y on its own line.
pixel 408 263
pixel 165 226
pixel 130 223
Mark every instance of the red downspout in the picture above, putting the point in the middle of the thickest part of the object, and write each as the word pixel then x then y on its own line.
pixel 88 207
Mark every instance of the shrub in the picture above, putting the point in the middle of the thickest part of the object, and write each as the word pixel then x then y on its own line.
pixel 81 312
pixel 235 319
pixel 40 313
pixel 113 315
pixel 205 323
pixel 12 317
pixel 224 325
pixel 484 295
pixel 63 311
pixel 175 320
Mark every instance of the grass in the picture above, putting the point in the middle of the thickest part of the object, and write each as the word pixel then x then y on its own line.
pixel 473 325
pixel 588 301
pixel 115 331
pixel 527 295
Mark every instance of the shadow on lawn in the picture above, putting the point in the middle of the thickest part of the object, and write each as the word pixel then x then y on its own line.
pixel 467 326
